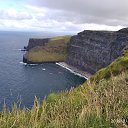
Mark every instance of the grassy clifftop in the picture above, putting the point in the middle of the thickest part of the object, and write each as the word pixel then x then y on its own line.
pixel 54 50
pixel 115 68
pixel 101 102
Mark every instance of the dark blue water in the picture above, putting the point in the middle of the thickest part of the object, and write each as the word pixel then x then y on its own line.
pixel 20 83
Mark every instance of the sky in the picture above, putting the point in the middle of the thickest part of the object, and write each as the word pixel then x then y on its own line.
pixel 63 15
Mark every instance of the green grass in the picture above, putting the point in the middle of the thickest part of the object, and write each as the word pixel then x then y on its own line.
pixel 44 56
pixel 55 50
pixel 102 104
pixel 115 68
pixel 65 38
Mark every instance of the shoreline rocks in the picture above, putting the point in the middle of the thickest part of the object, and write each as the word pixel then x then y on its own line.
pixel 75 70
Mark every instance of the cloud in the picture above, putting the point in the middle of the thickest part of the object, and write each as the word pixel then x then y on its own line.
pixel 67 16
pixel 13 14
pixel 107 12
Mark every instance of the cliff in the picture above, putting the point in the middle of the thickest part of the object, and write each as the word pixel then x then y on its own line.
pixel 88 50
pixel 36 42
pixel 46 50
pixel 93 50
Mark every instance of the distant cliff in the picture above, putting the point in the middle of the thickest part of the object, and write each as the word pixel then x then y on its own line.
pixel 46 50
pixel 92 50
pixel 36 42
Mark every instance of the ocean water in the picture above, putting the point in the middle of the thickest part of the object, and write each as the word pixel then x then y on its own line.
pixel 21 83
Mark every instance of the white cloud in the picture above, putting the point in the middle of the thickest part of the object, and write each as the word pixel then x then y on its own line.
pixel 36 9
pixel 99 27
pixel 66 16
pixel 13 14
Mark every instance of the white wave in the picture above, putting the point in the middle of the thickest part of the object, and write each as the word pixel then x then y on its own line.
pixel 32 64
pixel 28 64
pixel 23 63
pixel 74 72
pixel 43 69
pixel 23 50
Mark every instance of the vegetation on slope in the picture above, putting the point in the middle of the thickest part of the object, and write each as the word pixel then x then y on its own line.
pixel 54 50
pixel 102 104
pixel 115 68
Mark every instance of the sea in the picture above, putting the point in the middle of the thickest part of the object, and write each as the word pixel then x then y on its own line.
pixel 21 83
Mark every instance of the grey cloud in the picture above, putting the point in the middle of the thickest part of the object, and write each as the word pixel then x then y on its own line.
pixel 109 12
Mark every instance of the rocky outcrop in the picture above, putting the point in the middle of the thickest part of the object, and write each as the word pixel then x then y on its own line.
pixel 92 50
pixel 46 50
pixel 32 44
pixel 36 42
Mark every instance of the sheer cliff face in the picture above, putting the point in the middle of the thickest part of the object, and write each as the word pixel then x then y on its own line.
pixel 36 42
pixel 92 50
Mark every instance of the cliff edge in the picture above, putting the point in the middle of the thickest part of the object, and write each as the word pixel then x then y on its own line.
pixel 46 50
pixel 93 50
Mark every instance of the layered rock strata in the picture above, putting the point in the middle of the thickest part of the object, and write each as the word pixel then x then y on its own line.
pixel 93 50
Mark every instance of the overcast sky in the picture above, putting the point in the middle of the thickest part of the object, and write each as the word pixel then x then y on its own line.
pixel 63 15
